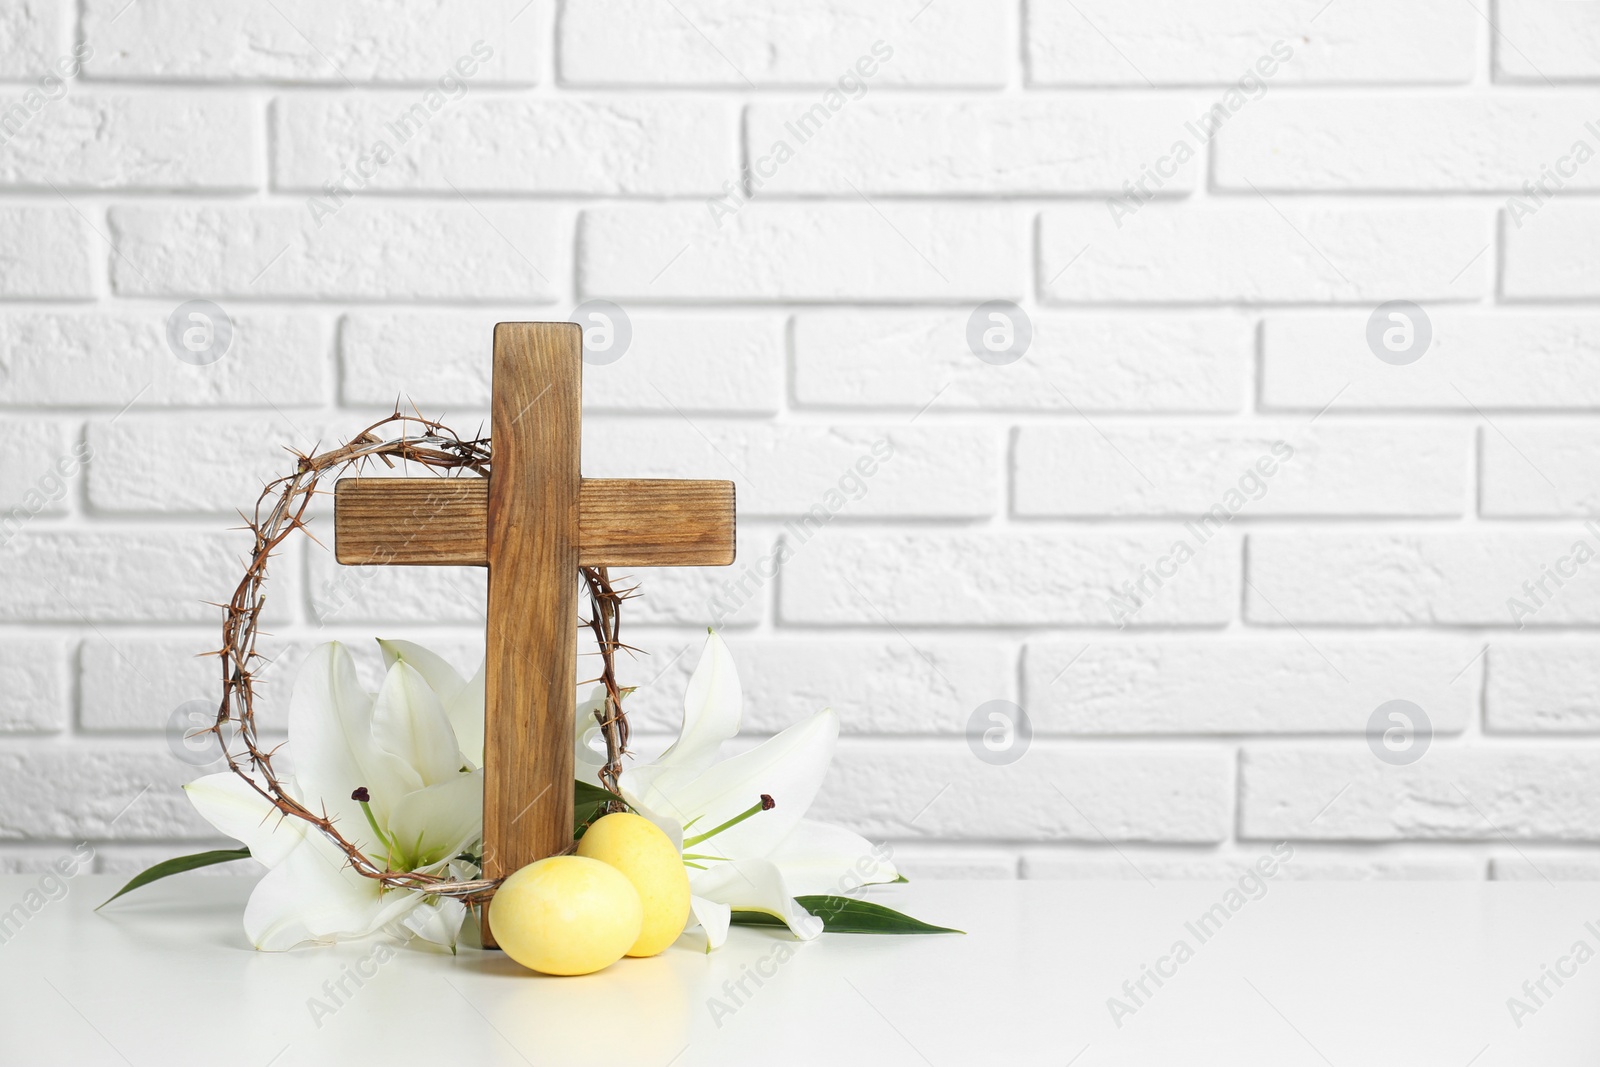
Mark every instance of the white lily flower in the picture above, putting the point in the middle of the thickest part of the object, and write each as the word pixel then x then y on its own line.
pixel 425 807
pixel 417 746
pixel 743 859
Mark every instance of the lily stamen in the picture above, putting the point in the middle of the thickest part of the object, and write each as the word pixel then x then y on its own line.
pixel 364 798
pixel 766 803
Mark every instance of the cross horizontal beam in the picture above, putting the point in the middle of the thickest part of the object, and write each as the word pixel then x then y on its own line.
pixel 622 522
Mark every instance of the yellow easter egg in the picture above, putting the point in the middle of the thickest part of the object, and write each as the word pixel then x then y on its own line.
pixel 566 915
pixel 639 849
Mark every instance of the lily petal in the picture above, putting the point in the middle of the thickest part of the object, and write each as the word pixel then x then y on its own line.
pixel 818 857
pixel 439 822
pixel 713 919
pixel 442 678
pixel 588 742
pixel 712 708
pixel 755 885
pixel 313 896
pixel 462 698
pixel 227 802
pixel 330 730
pixel 789 767
pixel 408 722
pixel 465 710
pixel 437 920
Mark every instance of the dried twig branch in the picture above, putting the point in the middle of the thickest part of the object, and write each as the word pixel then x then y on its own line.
pixel 605 621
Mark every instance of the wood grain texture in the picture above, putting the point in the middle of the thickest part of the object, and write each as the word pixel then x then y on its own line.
pixel 531 675
pixel 656 522
pixel 412 521
pixel 622 522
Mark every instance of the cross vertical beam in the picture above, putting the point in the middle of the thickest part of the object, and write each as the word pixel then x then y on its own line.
pixel 532 543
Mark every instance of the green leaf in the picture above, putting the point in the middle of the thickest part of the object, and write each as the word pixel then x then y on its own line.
pixel 587 800
pixel 177 865
pixel 846 915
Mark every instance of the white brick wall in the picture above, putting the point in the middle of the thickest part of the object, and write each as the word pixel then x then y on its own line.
pixel 1174 42
pixel 602 145
pixel 1201 529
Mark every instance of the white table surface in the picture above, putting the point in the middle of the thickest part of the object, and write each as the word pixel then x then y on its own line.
pixel 1342 974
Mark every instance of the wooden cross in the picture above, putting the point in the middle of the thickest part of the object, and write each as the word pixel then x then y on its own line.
pixel 533 522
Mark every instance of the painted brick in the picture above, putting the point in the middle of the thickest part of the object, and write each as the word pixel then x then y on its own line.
pixel 132 683
pixel 979 146
pixel 106 140
pixel 603 146
pixel 694 364
pixel 47 254
pixel 133 575
pixel 1543 42
pixel 1540 469
pixel 1176 42
pixel 121 358
pixel 350 596
pixel 1482 142
pixel 1005 578
pixel 1261 252
pixel 1094 362
pixel 876 685
pixel 781 43
pixel 105 791
pixel 1543 688
pixel 43 460
pixel 732 596
pixel 985 153
pixel 1419 579
pixel 1551 254
pixel 303 40
pixel 843 252
pixel 1475 360
pixel 940 790
pixel 34 695
pixel 817 471
pixel 1247 469
pixel 367 251
pixel 1245 686
pixel 30 35
pixel 1343 793
pixel 127 682
pixel 205 465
